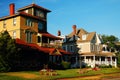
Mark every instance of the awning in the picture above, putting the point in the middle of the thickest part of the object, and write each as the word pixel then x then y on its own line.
pixel 50 51
pixel 50 36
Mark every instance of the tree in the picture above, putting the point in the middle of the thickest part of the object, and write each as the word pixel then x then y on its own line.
pixel 110 41
pixel 7 51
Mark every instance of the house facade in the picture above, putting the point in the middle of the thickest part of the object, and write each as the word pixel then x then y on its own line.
pixel 28 26
pixel 87 49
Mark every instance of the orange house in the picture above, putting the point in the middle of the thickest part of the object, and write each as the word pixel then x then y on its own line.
pixel 29 27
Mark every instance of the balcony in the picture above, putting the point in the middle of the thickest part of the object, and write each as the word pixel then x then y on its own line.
pixel 52 44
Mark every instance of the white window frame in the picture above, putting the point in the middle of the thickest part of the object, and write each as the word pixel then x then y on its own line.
pixel 14 34
pixel 84 36
pixel 29 37
pixel 29 22
pixel 14 21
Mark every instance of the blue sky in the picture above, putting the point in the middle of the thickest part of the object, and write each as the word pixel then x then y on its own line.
pixel 101 16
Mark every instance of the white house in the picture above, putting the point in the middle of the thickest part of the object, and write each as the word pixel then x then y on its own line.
pixel 87 49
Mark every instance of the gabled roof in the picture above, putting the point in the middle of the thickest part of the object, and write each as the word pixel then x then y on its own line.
pixel 80 33
pixel 49 51
pixel 34 6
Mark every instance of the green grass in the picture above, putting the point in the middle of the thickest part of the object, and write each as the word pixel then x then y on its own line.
pixel 61 74
pixel 5 77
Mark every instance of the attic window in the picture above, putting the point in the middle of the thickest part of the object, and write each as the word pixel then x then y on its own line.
pixel 84 36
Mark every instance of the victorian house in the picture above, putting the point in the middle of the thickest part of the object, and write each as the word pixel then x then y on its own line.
pixel 87 49
pixel 28 26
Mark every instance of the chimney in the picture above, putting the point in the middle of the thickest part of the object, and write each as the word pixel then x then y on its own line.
pixel 12 9
pixel 74 29
pixel 59 33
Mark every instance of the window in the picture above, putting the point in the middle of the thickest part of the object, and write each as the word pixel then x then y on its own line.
pixel 4 24
pixel 92 47
pixel 14 21
pixel 39 13
pixel 40 25
pixel 29 37
pixel 71 48
pixel 98 48
pixel 84 37
pixel 64 48
pixel 39 39
pixel 14 34
pixel 29 22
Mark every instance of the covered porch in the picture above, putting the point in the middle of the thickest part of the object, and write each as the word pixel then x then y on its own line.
pixel 98 59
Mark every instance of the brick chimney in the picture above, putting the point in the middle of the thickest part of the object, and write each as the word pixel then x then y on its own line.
pixel 59 33
pixel 12 9
pixel 74 29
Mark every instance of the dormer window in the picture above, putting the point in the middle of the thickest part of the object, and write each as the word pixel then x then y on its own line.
pixel 84 36
pixel 26 11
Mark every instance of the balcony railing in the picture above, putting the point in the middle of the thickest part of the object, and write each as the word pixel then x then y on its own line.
pixel 51 45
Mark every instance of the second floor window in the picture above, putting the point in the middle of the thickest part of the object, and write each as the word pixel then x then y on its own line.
pixel 40 25
pixel 84 37
pixel 71 48
pixel 14 21
pixel 29 37
pixel 29 22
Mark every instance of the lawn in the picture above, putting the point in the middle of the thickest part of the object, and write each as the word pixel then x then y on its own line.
pixel 69 73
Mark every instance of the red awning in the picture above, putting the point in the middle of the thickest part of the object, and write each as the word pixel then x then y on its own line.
pixel 50 51
pixel 50 35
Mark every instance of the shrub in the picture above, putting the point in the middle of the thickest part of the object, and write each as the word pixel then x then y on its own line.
pixel 65 64
pixel 4 67
pixel 105 66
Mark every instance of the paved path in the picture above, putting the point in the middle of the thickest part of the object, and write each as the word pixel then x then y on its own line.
pixel 115 76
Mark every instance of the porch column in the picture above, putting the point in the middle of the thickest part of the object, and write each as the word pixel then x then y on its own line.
pixel 105 60
pixel 100 60
pixel 94 61
pixel 111 60
pixel 48 42
pixel 85 58
pixel 41 41
pixel 115 62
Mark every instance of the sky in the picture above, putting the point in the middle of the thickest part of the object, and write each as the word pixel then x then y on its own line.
pixel 100 16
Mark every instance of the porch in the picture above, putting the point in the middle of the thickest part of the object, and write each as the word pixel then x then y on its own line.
pixel 93 60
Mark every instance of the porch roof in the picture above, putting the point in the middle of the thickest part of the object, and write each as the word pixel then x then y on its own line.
pixel 106 54
pixel 46 34
pixel 50 51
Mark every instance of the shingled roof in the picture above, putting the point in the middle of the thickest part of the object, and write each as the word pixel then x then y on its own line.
pixel 49 51
pixel 80 33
